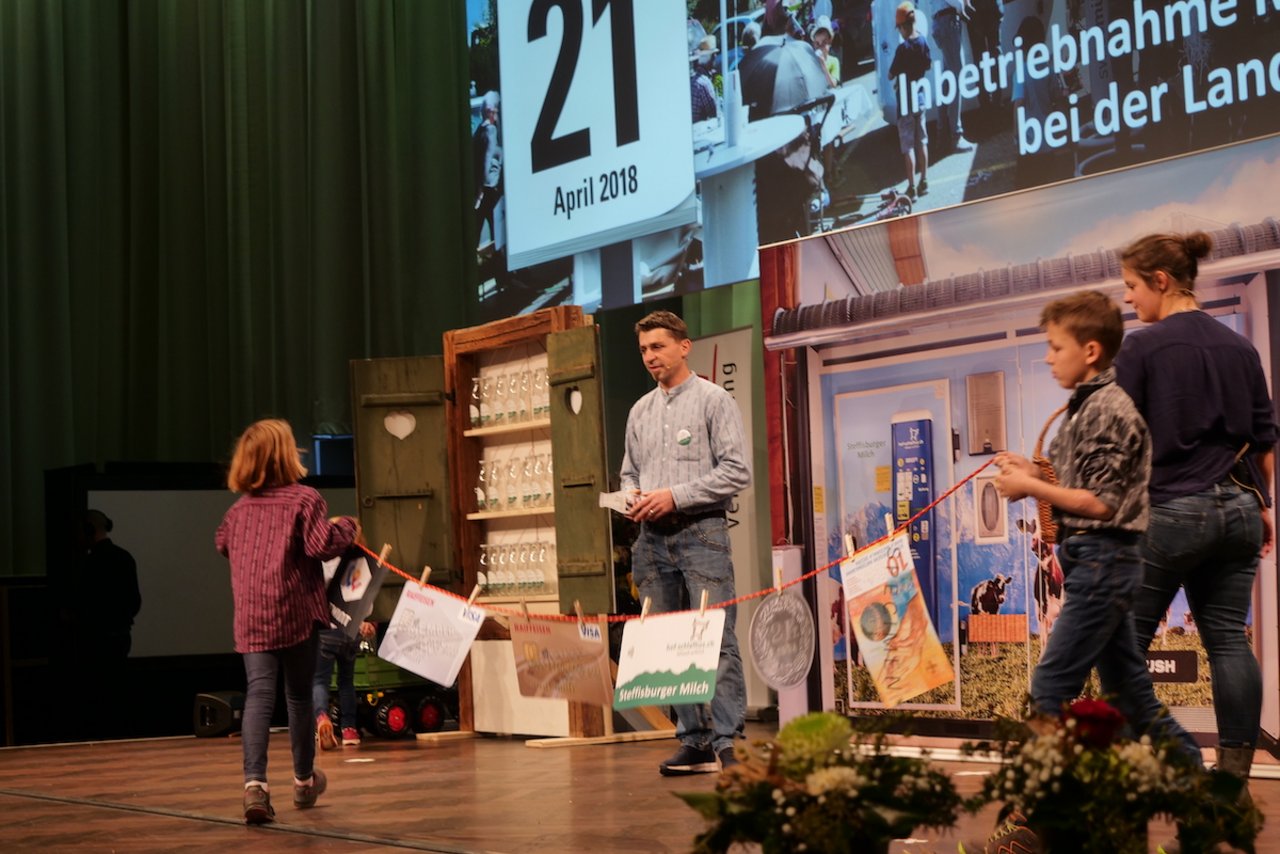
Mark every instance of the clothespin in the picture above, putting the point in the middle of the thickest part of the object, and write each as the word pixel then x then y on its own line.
pixel 577 609
pixel 702 609
pixel 382 555
pixel 471 600
pixel 524 608
pixel 426 573
pixel 644 609
pixel 777 579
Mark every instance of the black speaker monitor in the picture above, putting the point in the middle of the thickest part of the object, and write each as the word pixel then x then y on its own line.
pixel 218 713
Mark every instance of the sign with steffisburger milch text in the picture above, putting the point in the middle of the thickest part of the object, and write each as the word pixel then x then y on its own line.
pixel 596 122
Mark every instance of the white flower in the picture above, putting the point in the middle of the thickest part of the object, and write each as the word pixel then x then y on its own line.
pixel 836 779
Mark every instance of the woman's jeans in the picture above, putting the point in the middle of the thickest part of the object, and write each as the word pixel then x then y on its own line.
pixel 672 566
pixel 1103 572
pixel 334 645
pixel 262 670
pixel 1209 543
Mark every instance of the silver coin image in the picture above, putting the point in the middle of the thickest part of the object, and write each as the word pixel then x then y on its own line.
pixel 782 639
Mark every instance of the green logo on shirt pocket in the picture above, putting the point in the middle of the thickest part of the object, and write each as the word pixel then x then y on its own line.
pixel 684 437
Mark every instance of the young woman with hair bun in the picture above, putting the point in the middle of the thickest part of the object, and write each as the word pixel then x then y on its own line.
pixel 1201 388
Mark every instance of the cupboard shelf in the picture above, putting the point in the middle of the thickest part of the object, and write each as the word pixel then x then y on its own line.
pixel 503 429
pixel 481 515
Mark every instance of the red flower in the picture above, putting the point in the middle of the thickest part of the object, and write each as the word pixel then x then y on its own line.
pixel 1096 722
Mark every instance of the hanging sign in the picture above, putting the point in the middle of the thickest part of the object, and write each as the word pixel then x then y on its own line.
pixel 354 582
pixel 782 640
pixel 669 659
pixel 896 638
pixel 430 634
pixel 563 661
pixel 596 122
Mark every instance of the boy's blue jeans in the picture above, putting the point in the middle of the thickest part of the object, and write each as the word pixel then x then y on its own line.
pixel 336 646
pixel 1103 572
pixel 1209 543
pixel 672 569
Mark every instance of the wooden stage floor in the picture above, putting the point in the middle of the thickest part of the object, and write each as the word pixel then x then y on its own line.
pixel 462 795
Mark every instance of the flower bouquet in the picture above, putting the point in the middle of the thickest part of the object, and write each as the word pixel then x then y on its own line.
pixel 820 787
pixel 1081 787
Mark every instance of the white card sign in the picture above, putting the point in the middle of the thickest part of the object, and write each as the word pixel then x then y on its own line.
pixel 669 659
pixel 596 122
pixel 430 634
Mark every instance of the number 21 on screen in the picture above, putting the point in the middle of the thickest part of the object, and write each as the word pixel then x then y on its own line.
pixel 596 127
pixel 547 150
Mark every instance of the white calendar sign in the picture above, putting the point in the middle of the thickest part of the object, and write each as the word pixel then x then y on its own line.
pixel 596 122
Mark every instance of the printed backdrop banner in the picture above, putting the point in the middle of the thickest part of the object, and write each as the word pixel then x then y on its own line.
pixel 563 661
pixel 727 359
pixel 669 659
pixel 640 150
pixel 430 634
pixel 887 613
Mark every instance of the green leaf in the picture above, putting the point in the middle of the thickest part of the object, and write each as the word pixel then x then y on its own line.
pixel 708 804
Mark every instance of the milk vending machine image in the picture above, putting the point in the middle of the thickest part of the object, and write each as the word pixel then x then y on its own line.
pixel 912 443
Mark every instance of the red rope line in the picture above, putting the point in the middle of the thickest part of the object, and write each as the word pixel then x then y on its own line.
pixel 621 618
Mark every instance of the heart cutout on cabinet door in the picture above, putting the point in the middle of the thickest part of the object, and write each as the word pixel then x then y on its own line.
pixel 575 400
pixel 400 423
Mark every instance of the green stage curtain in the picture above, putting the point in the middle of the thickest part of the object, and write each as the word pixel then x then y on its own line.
pixel 207 208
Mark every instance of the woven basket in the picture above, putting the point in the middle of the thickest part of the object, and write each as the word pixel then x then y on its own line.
pixel 1048 527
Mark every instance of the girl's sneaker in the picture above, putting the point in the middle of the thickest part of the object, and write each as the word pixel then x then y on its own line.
pixel 257 806
pixel 304 797
pixel 350 736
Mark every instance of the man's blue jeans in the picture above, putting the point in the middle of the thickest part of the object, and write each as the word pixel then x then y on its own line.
pixel 672 568
pixel 1103 572
pixel 262 670
pixel 1209 543
pixel 336 646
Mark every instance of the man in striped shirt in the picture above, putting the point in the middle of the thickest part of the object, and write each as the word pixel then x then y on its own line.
pixel 685 459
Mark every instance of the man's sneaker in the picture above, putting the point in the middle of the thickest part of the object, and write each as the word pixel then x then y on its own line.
pixel 257 806
pixel 1012 837
pixel 304 797
pixel 962 145
pixel 689 760
pixel 727 759
pixel 324 733
pixel 350 736
pixel 922 187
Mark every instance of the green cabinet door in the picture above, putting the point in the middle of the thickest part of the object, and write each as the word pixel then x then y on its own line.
pixel 402 469
pixel 584 547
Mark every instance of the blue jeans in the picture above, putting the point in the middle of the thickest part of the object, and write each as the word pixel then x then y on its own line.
pixel 672 568
pixel 947 31
pixel 335 646
pixel 261 670
pixel 1209 543
pixel 1103 571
